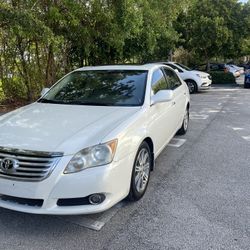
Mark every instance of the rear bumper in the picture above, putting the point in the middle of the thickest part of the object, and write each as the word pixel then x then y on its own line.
pixel 111 180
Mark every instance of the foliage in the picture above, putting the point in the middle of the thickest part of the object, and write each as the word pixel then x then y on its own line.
pixel 219 77
pixel 1 92
pixel 40 41
pixel 214 28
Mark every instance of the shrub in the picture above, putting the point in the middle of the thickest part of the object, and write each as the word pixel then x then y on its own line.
pixel 1 93
pixel 220 77
pixel 13 89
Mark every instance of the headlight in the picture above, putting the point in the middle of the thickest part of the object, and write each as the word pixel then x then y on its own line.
pixel 201 76
pixel 101 154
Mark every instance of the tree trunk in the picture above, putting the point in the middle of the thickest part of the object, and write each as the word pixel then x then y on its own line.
pixel 50 69
pixel 25 73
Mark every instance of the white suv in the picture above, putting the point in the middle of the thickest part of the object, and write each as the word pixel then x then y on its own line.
pixel 91 140
pixel 196 80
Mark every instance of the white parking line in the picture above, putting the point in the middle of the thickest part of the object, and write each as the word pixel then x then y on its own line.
pixel 198 117
pixel 84 222
pixel 94 222
pixel 176 142
pixel 247 138
pixel 237 129
pixel 213 111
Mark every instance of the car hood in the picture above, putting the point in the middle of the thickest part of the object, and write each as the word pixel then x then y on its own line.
pixel 60 128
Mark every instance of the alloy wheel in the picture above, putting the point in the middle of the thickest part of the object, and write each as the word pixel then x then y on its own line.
pixel 191 87
pixel 142 170
pixel 186 120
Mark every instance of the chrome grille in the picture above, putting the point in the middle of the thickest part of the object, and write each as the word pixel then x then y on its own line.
pixel 29 165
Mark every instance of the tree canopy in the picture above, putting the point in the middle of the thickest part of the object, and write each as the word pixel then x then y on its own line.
pixel 215 28
pixel 42 40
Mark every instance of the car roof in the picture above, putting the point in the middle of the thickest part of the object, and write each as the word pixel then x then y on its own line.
pixel 120 67
pixel 163 63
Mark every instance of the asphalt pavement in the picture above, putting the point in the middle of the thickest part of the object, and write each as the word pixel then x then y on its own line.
pixel 198 197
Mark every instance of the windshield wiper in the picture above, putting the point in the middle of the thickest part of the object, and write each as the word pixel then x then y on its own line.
pixel 90 103
pixel 43 100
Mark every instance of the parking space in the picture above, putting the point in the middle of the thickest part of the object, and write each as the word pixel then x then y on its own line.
pixel 198 196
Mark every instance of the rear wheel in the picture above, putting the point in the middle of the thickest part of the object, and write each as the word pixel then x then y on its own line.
pixel 192 86
pixel 141 172
pixel 184 127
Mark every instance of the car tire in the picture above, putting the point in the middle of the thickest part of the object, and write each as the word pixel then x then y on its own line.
pixel 184 126
pixel 141 172
pixel 192 86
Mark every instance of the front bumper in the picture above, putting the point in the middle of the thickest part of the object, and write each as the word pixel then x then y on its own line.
pixel 112 180
pixel 206 84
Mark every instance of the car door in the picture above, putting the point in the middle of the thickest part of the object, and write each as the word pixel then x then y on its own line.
pixel 161 115
pixel 180 92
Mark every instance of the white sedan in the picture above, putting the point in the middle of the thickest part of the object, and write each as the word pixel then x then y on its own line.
pixel 91 140
pixel 196 80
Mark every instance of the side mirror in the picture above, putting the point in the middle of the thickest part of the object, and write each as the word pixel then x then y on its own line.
pixel 176 70
pixel 162 96
pixel 44 91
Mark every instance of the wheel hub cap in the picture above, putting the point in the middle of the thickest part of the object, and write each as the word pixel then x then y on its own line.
pixel 186 121
pixel 142 169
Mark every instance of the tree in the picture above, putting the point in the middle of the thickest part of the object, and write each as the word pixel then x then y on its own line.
pixel 213 28
pixel 40 41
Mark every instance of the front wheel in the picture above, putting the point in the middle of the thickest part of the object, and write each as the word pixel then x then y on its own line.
pixel 141 172
pixel 184 127
pixel 192 86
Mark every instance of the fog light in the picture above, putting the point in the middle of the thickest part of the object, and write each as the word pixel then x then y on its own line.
pixel 96 199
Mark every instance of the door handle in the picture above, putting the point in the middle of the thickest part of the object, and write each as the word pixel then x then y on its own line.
pixel 173 103
pixel 185 93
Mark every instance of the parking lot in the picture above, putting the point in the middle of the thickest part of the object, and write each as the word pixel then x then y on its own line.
pixel 198 195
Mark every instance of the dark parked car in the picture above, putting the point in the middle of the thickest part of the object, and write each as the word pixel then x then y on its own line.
pixel 213 67
pixel 235 70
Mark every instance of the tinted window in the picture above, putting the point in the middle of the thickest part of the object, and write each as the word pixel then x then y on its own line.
pixel 217 67
pixel 100 87
pixel 214 67
pixel 184 67
pixel 158 81
pixel 174 67
pixel 172 79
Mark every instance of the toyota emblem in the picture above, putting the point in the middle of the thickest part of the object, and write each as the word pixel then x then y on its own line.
pixel 8 165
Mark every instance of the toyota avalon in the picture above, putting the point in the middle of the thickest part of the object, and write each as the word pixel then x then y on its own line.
pixel 91 139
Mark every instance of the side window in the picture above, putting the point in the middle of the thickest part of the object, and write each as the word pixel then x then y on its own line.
pixel 174 67
pixel 158 81
pixel 172 78
pixel 214 67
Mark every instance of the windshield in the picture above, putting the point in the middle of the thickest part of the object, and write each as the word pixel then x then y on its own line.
pixel 183 66
pixel 100 87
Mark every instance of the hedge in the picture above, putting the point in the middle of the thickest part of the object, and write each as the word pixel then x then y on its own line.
pixel 220 77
